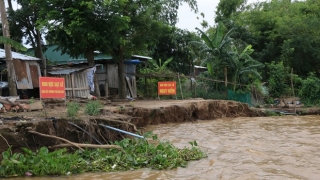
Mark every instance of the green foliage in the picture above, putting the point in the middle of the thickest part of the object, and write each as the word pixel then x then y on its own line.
pixel 153 70
pixel 23 20
pixel 39 163
pixel 310 90
pixel 226 8
pixel 137 153
pixel 92 108
pixel 279 32
pixel 278 79
pixel 243 67
pixel 174 42
pixel 271 113
pixel 32 100
pixel 14 44
pixel 297 83
pixel 72 109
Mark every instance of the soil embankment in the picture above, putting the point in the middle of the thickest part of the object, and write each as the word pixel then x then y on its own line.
pixel 128 116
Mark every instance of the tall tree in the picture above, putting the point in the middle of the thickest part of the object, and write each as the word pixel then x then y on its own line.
pixel 174 43
pixel 227 8
pixel 116 27
pixel 24 23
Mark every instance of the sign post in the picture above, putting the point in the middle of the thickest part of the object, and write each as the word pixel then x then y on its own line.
pixel 51 87
pixel 167 88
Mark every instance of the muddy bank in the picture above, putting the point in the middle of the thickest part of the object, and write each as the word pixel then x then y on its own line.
pixel 129 117
pixel 191 111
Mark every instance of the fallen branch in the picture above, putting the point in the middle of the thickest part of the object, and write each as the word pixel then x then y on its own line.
pixel 88 146
pixel 118 121
pixel 5 140
pixel 56 137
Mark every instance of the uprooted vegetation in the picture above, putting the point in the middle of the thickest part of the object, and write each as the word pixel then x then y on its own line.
pixel 131 154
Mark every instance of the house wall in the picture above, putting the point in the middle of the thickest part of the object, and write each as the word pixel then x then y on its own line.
pixel 27 74
pixel 112 75
pixel 101 74
pixel 113 78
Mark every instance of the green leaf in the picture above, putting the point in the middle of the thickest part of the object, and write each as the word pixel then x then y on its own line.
pixel 15 161
pixel 14 44
pixel 6 154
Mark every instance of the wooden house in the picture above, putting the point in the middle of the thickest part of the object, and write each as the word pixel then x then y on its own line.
pixel 77 79
pixel 27 72
pixel 106 72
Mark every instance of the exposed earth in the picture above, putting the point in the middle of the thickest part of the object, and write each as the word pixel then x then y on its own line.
pixel 129 116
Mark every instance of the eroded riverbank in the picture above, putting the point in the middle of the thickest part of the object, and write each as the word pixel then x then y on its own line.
pixel 126 116
pixel 285 147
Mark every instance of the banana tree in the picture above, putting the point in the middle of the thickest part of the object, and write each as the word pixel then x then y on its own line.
pixel 161 67
pixel 244 65
pixel 216 51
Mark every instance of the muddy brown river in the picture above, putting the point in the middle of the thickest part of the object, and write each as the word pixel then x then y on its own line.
pixel 286 147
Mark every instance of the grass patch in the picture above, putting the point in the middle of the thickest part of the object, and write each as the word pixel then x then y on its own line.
pixel 73 109
pixel 92 108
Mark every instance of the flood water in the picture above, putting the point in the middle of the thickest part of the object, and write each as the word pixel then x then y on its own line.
pixel 286 147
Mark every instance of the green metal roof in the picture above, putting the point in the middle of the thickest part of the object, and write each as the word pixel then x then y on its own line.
pixel 56 57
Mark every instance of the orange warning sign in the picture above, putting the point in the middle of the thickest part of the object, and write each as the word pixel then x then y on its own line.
pixel 52 87
pixel 167 88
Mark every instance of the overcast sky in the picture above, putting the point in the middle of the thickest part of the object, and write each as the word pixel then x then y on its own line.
pixel 188 19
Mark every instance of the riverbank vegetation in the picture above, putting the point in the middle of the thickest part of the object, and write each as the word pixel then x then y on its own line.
pixel 135 154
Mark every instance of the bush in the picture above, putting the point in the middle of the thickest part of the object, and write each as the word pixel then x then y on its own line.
pixel 72 109
pixel 310 90
pixel 92 108
pixel 278 79
pixel 271 113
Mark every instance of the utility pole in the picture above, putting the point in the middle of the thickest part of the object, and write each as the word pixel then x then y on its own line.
pixel 7 48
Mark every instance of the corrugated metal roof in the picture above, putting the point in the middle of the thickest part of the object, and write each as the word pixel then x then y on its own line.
pixel 67 70
pixel 19 56
pixel 54 54
pixel 141 57
pixel 200 67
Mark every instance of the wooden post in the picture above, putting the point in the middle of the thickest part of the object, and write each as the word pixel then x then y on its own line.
pixel 294 97
pixel 226 80
pixel 225 76
pixel 145 86
pixel 180 86
pixel 72 85
pixel 106 89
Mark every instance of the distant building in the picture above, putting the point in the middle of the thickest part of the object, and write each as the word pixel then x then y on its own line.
pixel 27 72
pixel 199 69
